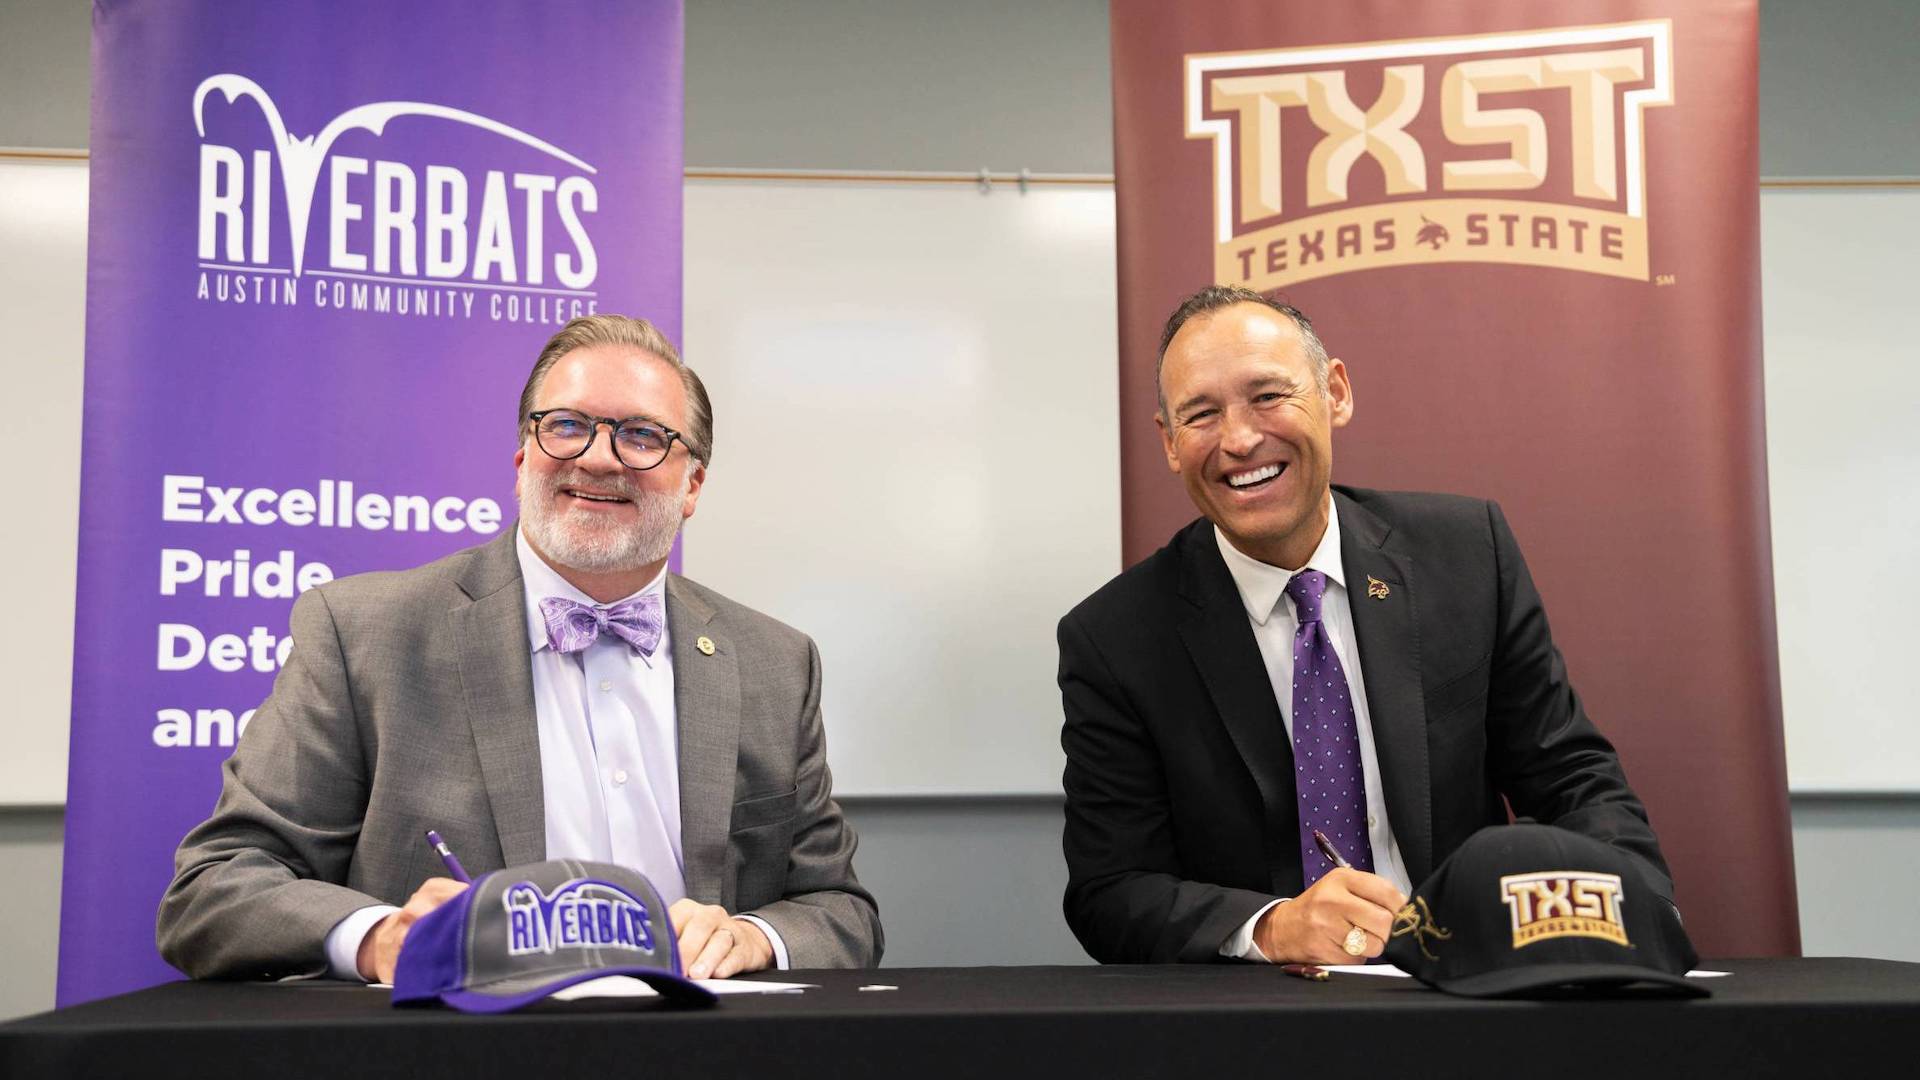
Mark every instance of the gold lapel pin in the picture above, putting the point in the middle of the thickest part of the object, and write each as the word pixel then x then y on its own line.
pixel 1377 588
pixel 704 644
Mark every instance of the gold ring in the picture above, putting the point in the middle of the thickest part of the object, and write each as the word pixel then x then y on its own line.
pixel 1356 943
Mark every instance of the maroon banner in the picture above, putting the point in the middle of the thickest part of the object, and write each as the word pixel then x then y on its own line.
pixel 1531 230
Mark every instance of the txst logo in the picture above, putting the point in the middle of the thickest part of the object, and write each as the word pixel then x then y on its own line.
pixel 585 913
pixel 402 238
pixel 1563 903
pixel 1523 148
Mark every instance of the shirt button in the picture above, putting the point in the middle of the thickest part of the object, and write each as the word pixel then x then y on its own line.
pixel 619 776
pixel 1369 821
pixel 606 684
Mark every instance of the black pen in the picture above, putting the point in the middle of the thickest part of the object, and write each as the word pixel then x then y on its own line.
pixel 441 849
pixel 1332 853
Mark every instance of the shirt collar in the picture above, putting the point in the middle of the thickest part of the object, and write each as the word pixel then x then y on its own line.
pixel 542 581
pixel 1262 584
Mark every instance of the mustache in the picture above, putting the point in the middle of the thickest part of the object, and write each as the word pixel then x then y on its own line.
pixel 623 486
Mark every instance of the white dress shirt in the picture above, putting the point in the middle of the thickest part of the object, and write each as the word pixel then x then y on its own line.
pixel 1263 590
pixel 609 756
pixel 609 748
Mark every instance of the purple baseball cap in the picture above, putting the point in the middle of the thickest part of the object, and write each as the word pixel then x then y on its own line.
pixel 517 935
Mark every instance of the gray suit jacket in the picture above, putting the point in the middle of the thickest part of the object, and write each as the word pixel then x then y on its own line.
pixel 407 704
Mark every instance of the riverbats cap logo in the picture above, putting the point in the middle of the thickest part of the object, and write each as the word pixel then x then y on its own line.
pixel 1525 910
pixel 520 934
pixel 1522 148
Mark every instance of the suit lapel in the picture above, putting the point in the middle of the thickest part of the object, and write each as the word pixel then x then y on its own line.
pixel 496 678
pixel 1219 637
pixel 706 691
pixel 1387 636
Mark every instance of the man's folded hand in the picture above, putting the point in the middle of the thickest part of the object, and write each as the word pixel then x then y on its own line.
pixel 714 944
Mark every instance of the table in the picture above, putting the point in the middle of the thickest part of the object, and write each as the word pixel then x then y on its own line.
pixel 1802 1017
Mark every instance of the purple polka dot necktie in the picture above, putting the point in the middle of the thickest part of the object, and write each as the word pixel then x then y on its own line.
pixel 1326 740
pixel 572 626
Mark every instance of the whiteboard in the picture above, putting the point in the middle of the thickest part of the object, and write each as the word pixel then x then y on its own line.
pixel 43 282
pixel 931 542
pixel 917 455
pixel 1843 460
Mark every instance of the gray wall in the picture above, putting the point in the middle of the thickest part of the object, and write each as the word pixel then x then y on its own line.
pixel 30 934
pixel 1010 84
pixel 929 84
pixel 1839 88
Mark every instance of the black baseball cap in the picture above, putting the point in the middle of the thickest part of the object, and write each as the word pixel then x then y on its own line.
pixel 1532 910
pixel 517 935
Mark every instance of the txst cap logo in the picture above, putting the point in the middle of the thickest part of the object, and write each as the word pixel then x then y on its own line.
pixel 1523 148
pixel 1564 903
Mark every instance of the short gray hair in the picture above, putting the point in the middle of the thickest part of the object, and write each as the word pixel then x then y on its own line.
pixel 1215 297
pixel 637 333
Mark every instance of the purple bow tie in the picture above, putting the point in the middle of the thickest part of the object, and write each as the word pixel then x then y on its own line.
pixel 572 626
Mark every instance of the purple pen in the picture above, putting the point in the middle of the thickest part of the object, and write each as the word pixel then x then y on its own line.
pixel 441 849
pixel 1320 840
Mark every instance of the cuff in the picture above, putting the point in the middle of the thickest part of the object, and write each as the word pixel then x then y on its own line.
pixel 343 941
pixel 773 936
pixel 1241 945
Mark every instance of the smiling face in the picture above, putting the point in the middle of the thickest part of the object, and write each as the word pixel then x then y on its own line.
pixel 1249 431
pixel 607 528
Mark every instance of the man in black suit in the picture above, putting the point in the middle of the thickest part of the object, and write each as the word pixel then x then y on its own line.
pixel 1389 646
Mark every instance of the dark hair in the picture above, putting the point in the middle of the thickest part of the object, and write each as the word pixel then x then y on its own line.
pixel 642 335
pixel 1215 297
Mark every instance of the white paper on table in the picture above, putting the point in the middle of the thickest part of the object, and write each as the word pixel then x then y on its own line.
pixel 1389 969
pixel 618 986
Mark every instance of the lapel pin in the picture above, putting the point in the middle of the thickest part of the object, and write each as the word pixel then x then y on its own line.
pixel 1376 588
pixel 705 644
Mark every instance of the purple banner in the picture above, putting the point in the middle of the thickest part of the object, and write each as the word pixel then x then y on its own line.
pixel 326 241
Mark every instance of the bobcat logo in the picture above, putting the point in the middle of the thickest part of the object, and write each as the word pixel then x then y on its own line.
pixel 1431 233
pixel 1420 924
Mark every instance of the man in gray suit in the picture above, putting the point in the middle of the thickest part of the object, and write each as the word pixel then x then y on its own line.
pixel 553 693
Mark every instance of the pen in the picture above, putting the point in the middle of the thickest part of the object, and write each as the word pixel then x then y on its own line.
pixel 1309 972
pixel 1332 853
pixel 441 849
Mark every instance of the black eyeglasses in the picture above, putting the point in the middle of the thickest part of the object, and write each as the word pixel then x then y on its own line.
pixel 638 443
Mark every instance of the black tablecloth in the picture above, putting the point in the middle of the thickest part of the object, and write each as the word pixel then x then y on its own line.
pixel 1814 1017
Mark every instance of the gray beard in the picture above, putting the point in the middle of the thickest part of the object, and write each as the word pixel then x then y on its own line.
pixel 582 542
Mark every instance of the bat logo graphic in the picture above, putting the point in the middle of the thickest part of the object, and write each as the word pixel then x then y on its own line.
pixel 582 913
pixel 300 158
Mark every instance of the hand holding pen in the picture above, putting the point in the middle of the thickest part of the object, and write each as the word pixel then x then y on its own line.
pixel 379 951
pixel 1342 918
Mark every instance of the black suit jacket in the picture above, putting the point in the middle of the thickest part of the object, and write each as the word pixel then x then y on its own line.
pixel 1181 817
